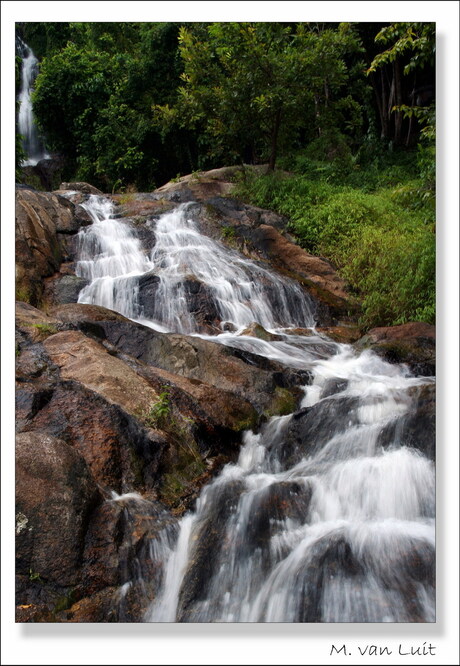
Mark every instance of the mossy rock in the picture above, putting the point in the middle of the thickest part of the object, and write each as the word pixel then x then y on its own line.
pixel 283 402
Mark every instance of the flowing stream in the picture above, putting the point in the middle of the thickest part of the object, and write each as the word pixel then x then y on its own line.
pixel 32 143
pixel 327 516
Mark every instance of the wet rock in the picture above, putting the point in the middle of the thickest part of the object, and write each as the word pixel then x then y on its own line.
pixel 121 453
pixel 331 557
pixel 208 542
pixel 276 503
pixel 333 386
pixel 62 289
pixel 413 344
pixel 148 287
pixel 202 306
pixel 245 374
pixel 257 331
pixel 30 398
pixel 417 429
pixel 55 495
pixel 257 233
pixel 312 427
pixel 42 220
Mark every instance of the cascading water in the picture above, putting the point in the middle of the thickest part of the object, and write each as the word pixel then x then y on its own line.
pixel 32 143
pixel 324 517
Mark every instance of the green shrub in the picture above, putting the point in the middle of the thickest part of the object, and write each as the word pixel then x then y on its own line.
pixel 159 412
pixel 381 239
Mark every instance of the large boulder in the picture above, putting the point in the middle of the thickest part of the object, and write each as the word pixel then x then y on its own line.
pixel 312 427
pixel 137 426
pixel 199 186
pixel 417 429
pixel 43 220
pixel 413 343
pixel 55 494
pixel 86 188
pixel 259 381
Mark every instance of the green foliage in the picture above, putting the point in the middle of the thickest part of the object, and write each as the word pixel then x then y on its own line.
pixel 159 412
pixel 381 240
pixel 413 44
pixel 185 463
pixel 416 39
pixel 93 100
pixel 228 233
pixel 279 76
pixel 46 330
pixel 34 576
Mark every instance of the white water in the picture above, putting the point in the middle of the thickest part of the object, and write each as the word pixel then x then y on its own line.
pixel 32 144
pixel 330 530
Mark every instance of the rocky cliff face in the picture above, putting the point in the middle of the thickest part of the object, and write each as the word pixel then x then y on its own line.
pixel 109 410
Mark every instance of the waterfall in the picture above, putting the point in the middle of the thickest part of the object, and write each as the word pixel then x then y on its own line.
pixel 32 143
pixel 183 261
pixel 322 518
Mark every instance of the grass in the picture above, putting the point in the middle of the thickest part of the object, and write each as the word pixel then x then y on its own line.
pixel 376 225
pixel 186 464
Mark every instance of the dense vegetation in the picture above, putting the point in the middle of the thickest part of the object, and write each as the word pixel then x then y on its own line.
pixel 346 109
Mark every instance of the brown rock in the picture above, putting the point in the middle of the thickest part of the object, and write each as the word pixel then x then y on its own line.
pixel 86 188
pixel 43 220
pixel 413 343
pixel 99 607
pixel 344 334
pixel 247 375
pixel 55 495
pixel 294 258
pixel 255 330
pixel 84 360
pixel 199 186
pixel 121 453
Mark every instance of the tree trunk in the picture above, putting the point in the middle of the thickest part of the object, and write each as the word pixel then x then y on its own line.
pixel 274 140
pixel 385 124
pixel 398 101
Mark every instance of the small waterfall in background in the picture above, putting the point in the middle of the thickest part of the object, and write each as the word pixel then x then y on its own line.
pixel 32 143
pixel 328 515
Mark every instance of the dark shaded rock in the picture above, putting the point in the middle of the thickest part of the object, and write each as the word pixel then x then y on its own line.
pixel 63 289
pixel 285 499
pixel 247 375
pixel 46 174
pixel 413 344
pixel 333 386
pixel 208 542
pixel 86 188
pixel 148 286
pixel 310 428
pixel 331 556
pixel 55 495
pixel 418 428
pixel 121 454
pixel 82 217
pixel 30 398
pixel 201 305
